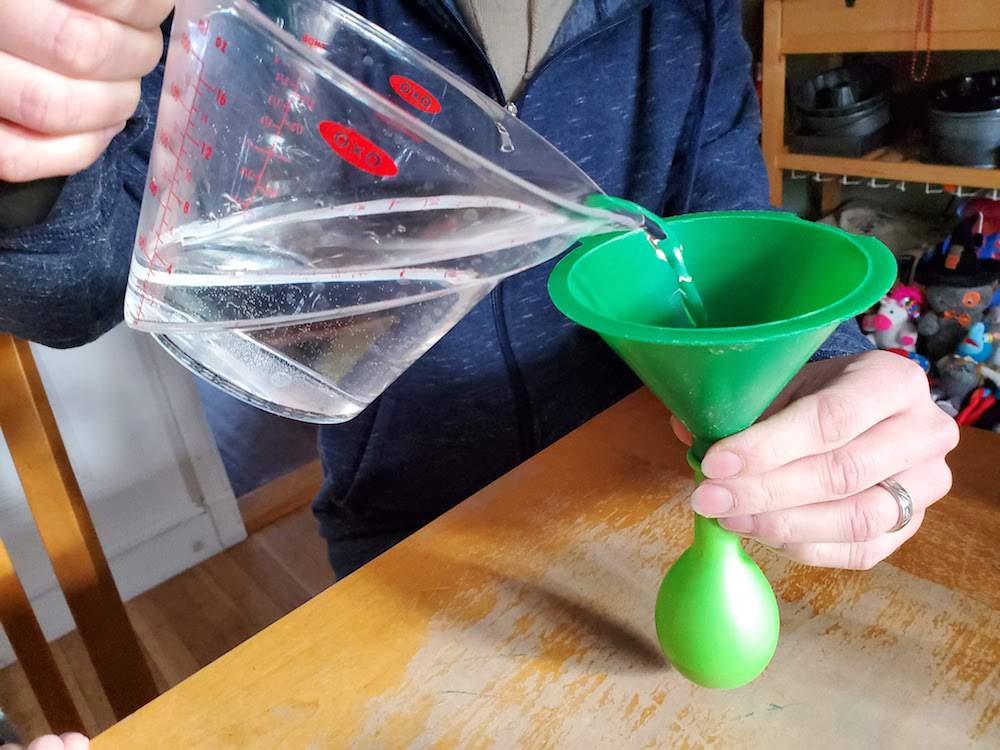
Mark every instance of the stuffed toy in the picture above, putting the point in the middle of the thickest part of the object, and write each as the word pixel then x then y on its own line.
pixel 952 311
pixel 977 344
pixel 957 378
pixel 958 288
pixel 890 326
pixel 992 320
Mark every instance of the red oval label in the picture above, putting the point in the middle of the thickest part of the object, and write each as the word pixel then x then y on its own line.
pixel 357 150
pixel 413 93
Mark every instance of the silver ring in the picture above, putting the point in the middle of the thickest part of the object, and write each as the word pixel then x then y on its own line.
pixel 903 501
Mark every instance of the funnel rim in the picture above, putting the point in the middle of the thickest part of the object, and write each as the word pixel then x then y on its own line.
pixel 878 278
pixel 379 102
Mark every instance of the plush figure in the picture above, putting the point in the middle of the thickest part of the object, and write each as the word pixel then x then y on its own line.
pixel 959 286
pixel 957 378
pixel 890 327
pixel 977 344
pixel 992 320
pixel 953 310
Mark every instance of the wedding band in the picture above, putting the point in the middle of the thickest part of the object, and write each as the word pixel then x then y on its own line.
pixel 903 501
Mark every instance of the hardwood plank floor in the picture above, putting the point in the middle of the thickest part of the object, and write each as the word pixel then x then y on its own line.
pixel 191 620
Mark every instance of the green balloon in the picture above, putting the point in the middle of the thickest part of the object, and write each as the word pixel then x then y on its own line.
pixel 774 287
pixel 716 615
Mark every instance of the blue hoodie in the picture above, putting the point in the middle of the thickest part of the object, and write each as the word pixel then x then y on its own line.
pixel 653 99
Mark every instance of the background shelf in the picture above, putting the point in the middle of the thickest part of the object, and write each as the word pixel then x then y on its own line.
pixel 892 164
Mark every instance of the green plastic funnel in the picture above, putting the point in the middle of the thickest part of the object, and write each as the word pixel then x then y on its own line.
pixel 774 288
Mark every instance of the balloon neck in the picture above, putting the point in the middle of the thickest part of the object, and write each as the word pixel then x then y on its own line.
pixel 707 532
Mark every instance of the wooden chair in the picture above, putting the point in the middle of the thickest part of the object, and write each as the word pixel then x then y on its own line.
pixel 81 568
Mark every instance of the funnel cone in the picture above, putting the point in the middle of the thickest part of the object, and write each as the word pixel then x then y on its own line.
pixel 774 287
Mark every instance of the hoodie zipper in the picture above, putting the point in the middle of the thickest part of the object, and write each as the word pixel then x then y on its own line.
pixel 519 388
pixel 522 398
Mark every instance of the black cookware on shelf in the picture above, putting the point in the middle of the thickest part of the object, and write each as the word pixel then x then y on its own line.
pixel 842 112
pixel 963 124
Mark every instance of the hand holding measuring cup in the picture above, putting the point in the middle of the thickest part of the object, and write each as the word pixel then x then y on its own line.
pixel 71 75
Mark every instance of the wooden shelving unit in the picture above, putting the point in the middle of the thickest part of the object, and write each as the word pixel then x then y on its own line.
pixel 834 27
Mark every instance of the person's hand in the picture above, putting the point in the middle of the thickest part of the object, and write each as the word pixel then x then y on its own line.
pixel 71 741
pixel 70 72
pixel 805 478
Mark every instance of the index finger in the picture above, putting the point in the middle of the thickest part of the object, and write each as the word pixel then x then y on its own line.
pixel 139 14
pixel 816 423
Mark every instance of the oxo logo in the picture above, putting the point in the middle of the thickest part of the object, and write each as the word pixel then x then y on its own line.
pixel 413 93
pixel 357 150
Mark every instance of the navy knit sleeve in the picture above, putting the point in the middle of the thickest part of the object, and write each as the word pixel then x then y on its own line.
pixel 731 173
pixel 62 282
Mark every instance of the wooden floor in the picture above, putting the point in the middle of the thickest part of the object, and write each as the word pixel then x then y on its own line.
pixel 194 618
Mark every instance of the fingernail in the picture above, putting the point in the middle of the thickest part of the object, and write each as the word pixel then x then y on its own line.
pixel 711 500
pixel 722 465
pixel 738 524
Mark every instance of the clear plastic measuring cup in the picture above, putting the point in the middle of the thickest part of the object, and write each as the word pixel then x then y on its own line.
pixel 325 202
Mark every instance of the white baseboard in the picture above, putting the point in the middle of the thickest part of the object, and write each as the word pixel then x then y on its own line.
pixel 135 570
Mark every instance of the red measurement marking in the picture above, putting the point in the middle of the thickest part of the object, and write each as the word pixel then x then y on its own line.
pixel 203 25
pixel 314 42
pixel 175 91
pixel 221 44
pixel 186 41
pixel 180 169
pixel 357 150
pixel 269 152
pixel 415 95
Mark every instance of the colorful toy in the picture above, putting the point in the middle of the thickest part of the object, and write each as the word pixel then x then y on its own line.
pixel 891 327
pixel 992 320
pixel 977 344
pixel 957 377
pixel 953 311
pixel 959 287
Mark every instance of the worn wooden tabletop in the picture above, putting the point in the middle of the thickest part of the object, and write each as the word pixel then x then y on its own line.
pixel 523 618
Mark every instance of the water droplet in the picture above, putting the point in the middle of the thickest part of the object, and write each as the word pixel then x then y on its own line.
pixel 367 60
pixel 319 203
pixel 470 214
pixel 401 228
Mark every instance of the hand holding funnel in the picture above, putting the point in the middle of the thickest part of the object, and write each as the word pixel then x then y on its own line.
pixel 774 288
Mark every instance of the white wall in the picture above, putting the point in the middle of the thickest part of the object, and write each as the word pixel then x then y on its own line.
pixel 146 461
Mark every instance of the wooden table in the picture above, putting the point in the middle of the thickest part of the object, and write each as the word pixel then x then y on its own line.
pixel 523 618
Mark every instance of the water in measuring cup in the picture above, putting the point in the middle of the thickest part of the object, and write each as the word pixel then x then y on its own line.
pixel 312 312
